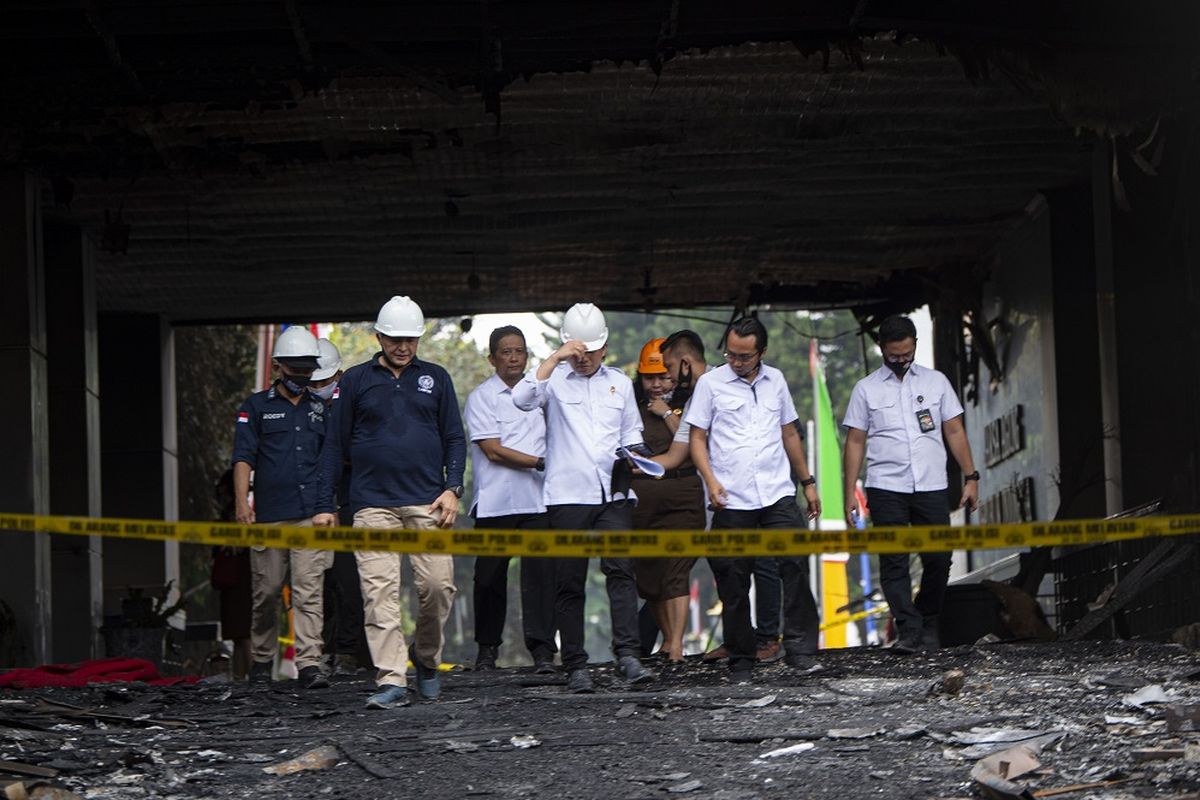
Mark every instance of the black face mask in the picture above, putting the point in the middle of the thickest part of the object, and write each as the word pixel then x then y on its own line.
pixel 296 384
pixel 898 368
pixel 683 386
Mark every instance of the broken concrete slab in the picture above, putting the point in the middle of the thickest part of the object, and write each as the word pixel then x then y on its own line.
pixel 317 758
pixel 1183 718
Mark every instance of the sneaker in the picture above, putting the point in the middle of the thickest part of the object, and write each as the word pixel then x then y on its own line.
pixel 543 663
pixel 712 656
pixel 632 669
pixel 389 697
pixel 261 672
pixel 485 659
pixel 429 681
pixel 579 681
pixel 313 678
pixel 769 651
pixel 805 663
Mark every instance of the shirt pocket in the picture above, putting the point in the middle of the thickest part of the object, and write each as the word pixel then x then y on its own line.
pixel 730 413
pixel 884 413
pixel 609 411
pixel 277 425
pixel 933 404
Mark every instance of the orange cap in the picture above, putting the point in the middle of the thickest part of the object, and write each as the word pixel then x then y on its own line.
pixel 650 362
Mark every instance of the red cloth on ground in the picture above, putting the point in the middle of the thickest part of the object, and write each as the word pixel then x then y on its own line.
pixel 104 670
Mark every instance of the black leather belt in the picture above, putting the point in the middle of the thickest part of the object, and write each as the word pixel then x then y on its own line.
pixel 682 472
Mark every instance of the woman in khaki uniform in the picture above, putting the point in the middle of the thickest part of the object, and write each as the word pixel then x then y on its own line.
pixel 676 501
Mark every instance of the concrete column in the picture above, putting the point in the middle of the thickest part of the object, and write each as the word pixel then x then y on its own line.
pixel 24 470
pixel 1078 381
pixel 1155 264
pixel 138 449
pixel 1106 327
pixel 74 406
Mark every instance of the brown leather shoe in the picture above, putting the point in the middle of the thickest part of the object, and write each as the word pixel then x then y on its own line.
pixel 720 654
pixel 768 651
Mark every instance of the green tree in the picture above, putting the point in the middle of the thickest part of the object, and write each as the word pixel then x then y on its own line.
pixel 214 373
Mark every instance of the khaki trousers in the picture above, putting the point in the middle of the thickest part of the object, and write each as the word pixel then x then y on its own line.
pixel 268 571
pixel 379 574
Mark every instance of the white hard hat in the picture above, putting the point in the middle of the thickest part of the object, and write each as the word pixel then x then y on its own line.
pixel 329 362
pixel 585 322
pixel 296 342
pixel 400 316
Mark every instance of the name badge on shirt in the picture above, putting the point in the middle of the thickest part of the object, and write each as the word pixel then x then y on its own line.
pixel 925 420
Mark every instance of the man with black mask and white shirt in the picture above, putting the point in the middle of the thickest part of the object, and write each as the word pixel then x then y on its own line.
pixel 903 417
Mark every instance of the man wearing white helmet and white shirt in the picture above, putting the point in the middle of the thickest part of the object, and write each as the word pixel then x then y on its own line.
pixel 397 420
pixel 279 435
pixel 342 632
pixel 590 412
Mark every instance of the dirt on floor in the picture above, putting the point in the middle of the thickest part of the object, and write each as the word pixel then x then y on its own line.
pixel 870 724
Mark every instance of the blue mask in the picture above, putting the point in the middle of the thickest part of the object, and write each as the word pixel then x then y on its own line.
pixel 325 392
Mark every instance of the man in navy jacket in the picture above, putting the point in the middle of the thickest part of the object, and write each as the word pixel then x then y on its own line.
pixel 397 420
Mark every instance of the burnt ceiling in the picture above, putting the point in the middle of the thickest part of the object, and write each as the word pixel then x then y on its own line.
pixel 259 161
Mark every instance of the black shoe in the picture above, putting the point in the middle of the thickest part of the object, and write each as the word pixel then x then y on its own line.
pixel 260 672
pixel 543 663
pixel 485 658
pixel 803 662
pixel 579 681
pixel 632 669
pixel 929 633
pixel 906 645
pixel 313 678
pixel 741 676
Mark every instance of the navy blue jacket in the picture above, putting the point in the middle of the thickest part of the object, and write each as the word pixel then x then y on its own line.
pixel 282 443
pixel 404 437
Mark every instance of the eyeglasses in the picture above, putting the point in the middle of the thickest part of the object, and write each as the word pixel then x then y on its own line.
pixel 741 358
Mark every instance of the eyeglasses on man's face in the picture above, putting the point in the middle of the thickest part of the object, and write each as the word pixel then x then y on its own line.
pixel 741 358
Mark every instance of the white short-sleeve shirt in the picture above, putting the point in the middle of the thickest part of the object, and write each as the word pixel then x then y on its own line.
pixel 900 456
pixel 587 419
pixel 684 432
pixel 745 438
pixel 501 490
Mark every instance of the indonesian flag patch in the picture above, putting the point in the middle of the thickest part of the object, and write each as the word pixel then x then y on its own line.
pixel 244 417
pixel 337 392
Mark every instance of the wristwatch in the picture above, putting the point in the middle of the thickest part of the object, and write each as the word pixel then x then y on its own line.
pixel 540 466
pixel 809 481
pixel 668 414
pixel 974 476
pixel 458 491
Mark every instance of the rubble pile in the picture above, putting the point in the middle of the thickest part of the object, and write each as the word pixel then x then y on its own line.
pixel 1085 720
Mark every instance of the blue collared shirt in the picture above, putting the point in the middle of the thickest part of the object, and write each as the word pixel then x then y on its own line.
pixel 281 442
pixel 404 437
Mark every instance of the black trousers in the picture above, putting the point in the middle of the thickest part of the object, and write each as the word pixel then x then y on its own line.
pixel 342 629
pixel 571 583
pixel 911 508
pixel 537 591
pixel 801 626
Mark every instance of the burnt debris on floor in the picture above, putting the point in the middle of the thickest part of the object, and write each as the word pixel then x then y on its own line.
pixel 1089 719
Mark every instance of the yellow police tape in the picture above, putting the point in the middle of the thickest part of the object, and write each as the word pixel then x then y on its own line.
pixel 572 544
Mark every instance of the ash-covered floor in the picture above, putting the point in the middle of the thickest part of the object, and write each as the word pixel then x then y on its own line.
pixel 870 725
